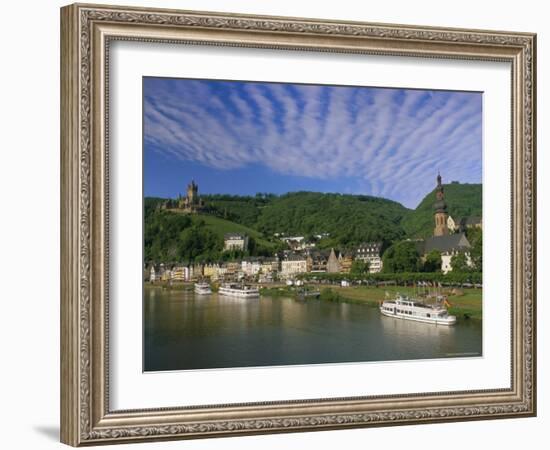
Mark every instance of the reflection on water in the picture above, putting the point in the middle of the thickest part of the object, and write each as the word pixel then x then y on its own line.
pixel 184 331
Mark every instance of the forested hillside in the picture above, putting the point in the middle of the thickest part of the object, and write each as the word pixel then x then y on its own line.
pixel 344 221
pixel 462 200
pixel 348 219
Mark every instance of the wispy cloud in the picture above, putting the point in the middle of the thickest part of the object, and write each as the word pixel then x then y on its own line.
pixel 384 142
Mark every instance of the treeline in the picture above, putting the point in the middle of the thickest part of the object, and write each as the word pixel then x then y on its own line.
pixel 404 278
pixel 405 256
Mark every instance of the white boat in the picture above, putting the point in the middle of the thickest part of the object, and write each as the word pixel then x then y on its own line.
pixel 239 290
pixel 410 309
pixel 202 288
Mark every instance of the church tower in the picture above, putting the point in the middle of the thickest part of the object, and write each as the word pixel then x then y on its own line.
pixel 440 208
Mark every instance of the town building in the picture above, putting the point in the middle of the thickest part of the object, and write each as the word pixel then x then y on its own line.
pixel 221 273
pixel 211 271
pixel 197 271
pixel 180 273
pixel 370 253
pixel 251 266
pixel 231 271
pixel 464 223
pixel 153 277
pixel 345 260
pixel 469 222
pixel 164 273
pixel 448 246
pixel 269 264
pixel 317 261
pixel 235 241
pixel 333 265
pixel 293 265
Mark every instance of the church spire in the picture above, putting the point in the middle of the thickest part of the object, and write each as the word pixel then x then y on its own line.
pixel 440 207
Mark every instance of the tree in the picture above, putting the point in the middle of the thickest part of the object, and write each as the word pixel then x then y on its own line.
pixel 459 263
pixel 311 238
pixel 475 236
pixel 359 268
pixel 433 261
pixel 401 257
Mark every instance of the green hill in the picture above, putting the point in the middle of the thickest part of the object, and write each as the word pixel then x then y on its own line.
pixel 462 200
pixel 222 226
pixel 175 237
pixel 344 220
pixel 349 219
pixel 241 209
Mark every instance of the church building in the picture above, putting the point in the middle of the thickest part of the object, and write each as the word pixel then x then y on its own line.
pixel 442 241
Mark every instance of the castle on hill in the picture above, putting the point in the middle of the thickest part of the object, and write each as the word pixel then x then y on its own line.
pixel 192 203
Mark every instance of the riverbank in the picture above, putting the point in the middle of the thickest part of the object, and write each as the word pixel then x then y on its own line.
pixel 465 303
pixel 181 286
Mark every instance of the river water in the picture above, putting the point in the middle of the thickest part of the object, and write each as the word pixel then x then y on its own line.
pixel 185 331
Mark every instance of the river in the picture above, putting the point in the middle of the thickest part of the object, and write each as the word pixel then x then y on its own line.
pixel 185 331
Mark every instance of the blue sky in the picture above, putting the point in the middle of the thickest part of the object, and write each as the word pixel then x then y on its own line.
pixel 248 137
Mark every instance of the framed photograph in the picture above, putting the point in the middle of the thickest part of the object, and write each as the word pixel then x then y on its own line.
pixel 275 224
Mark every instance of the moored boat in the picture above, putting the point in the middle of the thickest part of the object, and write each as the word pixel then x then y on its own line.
pixel 305 293
pixel 411 309
pixel 239 290
pixel 202 288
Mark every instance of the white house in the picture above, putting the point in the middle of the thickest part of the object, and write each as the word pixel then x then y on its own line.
pixel 448 246
pixel 293 265
pixel 235 241
pixel 251 267
pixel 370 252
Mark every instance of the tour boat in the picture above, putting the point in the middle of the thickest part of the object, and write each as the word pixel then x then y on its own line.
pixel 239 290
pixel 410 309
pixel 202 288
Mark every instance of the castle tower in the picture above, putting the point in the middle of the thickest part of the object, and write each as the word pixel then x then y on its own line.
pixel 192 193
pixel 440 207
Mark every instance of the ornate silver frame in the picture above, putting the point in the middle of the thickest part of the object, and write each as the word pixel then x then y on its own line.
pixel 86 31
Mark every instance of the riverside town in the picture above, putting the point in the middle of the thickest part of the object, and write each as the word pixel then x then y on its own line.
pixel 308 257
pixel 434 280
pixel 303 224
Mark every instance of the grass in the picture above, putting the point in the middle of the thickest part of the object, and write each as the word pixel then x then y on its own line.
pixel 468 302
pixel 276 292
pixel 221 226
